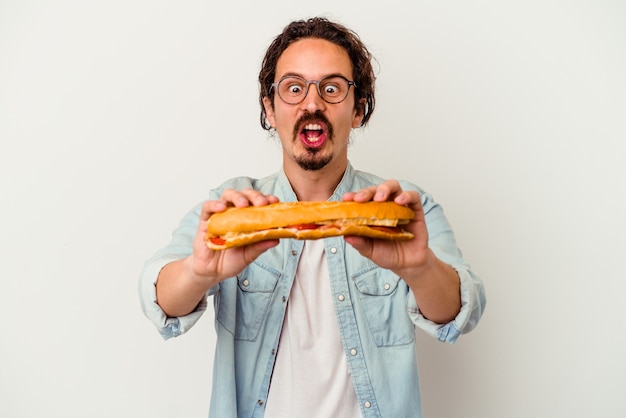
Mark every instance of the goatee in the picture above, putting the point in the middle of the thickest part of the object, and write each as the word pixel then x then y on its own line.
pixel 310 161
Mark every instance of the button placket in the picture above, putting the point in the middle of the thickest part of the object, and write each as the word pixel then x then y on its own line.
pixel 340 297
pixel 347 320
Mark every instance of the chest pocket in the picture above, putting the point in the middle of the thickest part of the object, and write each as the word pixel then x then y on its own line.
pixel 244 300
pixel 384 299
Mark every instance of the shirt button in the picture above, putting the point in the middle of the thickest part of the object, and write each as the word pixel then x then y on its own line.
pixel 387 286
pixel 353 351
pixel 333 250
pixel 367 404
pixel 294 253
pixel 245 282
pixel 341 298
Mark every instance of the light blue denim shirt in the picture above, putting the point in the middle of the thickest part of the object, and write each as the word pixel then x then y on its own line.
pixel 375 309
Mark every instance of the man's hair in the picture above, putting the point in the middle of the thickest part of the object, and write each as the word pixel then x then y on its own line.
pixel 322 28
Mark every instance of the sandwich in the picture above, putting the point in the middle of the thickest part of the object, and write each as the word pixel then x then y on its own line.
pixel 236 227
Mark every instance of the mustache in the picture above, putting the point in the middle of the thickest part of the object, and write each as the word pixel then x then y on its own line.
pixel 312 117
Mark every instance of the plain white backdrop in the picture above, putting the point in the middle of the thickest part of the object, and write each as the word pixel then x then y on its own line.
pixel 116 117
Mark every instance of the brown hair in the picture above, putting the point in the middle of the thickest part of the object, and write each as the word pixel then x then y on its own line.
pixel 322 28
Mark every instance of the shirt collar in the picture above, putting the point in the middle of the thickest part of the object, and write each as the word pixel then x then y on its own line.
pixel 344 186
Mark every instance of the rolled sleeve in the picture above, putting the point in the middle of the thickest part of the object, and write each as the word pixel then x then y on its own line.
pixel 167 326
pixel 472 306
pixel 179 248
pixel 473 298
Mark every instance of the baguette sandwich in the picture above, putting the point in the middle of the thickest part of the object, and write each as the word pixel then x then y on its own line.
pixel 307 220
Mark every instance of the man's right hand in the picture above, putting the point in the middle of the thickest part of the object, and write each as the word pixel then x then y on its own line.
pixel 215 266
pixel 183 283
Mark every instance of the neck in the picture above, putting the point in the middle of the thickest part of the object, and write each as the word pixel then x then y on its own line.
pixel 315 185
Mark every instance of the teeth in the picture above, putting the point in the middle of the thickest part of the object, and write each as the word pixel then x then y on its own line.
pixel 313 127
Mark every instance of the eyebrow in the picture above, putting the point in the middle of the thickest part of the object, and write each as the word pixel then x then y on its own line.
pixel 293 74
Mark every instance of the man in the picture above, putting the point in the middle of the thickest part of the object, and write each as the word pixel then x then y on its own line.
pixel 315 328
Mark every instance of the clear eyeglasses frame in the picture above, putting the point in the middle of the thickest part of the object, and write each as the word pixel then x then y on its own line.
pixel 332 89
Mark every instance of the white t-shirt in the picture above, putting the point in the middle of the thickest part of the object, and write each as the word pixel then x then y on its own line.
pixel 311 377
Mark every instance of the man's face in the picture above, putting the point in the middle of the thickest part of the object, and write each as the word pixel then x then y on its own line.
pixel 313 133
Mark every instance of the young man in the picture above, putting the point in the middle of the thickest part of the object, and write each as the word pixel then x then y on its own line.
pixel 316 328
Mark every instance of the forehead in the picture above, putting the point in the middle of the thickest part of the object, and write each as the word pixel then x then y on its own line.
pixel 314 58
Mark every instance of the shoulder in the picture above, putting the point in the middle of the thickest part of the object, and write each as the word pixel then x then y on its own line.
pixel 364 179
pixel 265 184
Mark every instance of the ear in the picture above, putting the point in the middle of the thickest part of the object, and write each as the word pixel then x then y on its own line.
pixel 269 111
pixel 359 113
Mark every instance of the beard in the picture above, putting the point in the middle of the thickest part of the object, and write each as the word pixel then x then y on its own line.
pixel 311 160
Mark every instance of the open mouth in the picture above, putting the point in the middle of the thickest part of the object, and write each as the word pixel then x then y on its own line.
pixel 313 134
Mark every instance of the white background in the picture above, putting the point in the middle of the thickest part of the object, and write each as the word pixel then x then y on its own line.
pixel 116 117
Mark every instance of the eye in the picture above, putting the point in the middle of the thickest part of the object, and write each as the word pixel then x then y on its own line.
pixel 292 87
pixel 331 89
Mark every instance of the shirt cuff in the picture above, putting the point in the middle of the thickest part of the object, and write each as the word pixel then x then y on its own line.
pixel 168 327
pixel 466 319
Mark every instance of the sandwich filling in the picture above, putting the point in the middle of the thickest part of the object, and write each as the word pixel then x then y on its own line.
pixel 326 228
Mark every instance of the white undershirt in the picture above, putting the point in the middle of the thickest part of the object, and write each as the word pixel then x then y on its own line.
pixel 311 377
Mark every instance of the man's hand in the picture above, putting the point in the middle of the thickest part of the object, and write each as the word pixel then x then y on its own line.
pixel 436 285
pixel 216 266
pixel 183 283
pixel 394 255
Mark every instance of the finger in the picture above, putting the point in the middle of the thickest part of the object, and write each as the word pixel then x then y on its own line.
pixel 387 190
pixel 210 207
pixel 246 197
pixel 361 244
pixel 257 198
pixel 364 195
pixel 272 199
pixel 252 251
pixel 234 198
pixel 408 198
pixel 348 197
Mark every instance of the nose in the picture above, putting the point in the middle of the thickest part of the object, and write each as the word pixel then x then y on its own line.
pixel 313 101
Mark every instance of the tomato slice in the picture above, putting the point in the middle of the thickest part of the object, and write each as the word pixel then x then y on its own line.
pixel 302 227
pixel 217 241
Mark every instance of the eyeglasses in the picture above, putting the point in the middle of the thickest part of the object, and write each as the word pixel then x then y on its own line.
pixel 293 89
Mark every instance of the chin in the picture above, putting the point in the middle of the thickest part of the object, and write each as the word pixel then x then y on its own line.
pixel 313 162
